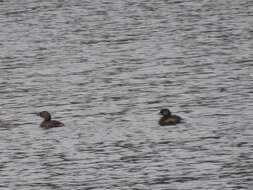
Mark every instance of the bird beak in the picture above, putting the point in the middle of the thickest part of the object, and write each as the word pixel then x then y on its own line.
pixel 35 113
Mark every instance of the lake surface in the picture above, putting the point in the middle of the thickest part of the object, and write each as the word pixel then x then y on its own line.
pixel 105 68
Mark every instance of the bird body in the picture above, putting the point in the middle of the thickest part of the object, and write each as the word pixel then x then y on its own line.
pixel 168 119
pixel 48 123
pixel 51 123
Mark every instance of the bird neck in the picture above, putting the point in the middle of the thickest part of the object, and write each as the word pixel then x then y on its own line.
pixel 48 118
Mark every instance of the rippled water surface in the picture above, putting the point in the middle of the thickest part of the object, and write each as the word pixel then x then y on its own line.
pixel 105 68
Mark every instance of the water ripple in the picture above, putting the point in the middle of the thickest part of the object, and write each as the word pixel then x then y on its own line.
pixel 105 69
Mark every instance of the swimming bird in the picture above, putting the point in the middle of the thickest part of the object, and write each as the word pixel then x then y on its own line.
pixel 168 119
pixel 48 123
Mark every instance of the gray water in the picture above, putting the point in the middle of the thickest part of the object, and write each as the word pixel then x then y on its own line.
pixel 105 68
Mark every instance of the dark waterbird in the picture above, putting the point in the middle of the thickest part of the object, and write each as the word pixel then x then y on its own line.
pixel 168 119
pixel 48 123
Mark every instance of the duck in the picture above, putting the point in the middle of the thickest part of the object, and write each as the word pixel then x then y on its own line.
pixel 168 119
pixel 48 123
